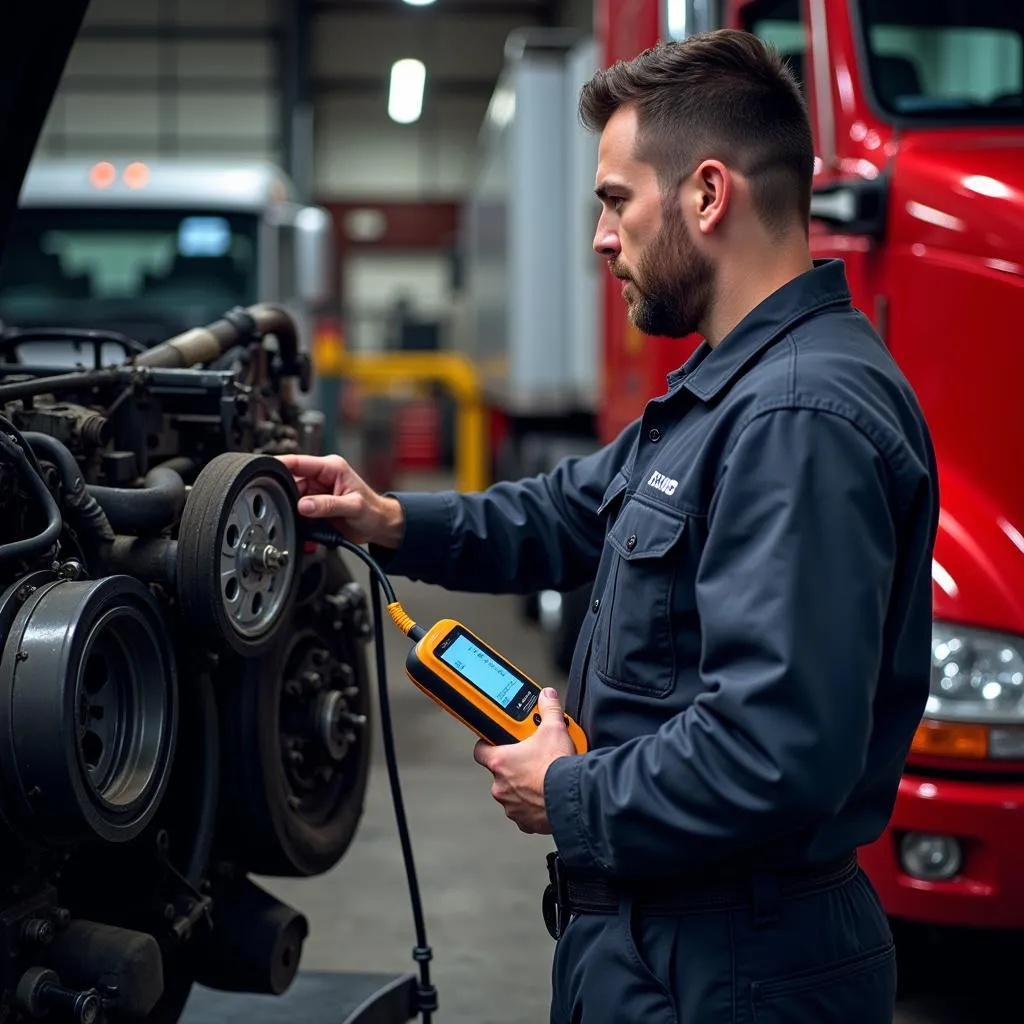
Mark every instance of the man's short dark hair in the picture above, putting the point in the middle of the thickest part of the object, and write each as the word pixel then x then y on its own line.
pixel 725 95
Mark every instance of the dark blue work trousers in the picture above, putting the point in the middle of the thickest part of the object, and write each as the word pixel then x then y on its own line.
pixel 824 957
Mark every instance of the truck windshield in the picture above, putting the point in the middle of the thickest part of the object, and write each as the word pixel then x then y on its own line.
pixel 144 272
pixel 946 61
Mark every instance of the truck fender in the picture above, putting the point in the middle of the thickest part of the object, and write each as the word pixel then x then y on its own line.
pixel 978 559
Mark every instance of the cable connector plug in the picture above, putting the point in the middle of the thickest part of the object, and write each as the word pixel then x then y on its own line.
pixel 426 993
pixel 401 618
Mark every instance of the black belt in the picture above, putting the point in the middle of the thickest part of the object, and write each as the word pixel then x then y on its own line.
pixel 571 893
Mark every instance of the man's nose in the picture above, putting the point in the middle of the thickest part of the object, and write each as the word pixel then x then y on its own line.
pixel 606 241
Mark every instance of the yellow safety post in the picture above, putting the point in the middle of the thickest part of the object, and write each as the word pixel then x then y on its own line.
pixel 458 375
pixel 328 347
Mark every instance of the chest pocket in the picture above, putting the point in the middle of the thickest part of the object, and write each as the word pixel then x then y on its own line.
pixel 634 644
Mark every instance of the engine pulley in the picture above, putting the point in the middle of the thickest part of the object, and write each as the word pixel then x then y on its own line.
pixel 237 551
pixel 296 739
pixel 88 709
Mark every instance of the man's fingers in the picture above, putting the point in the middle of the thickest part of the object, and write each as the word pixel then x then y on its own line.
pixel 317 467
pixel 551 708
pixel 332 506
pixel 483 753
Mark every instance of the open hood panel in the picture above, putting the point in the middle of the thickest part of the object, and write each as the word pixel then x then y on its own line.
pixel 35 41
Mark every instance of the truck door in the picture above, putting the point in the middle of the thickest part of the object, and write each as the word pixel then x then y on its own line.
pixel 811 43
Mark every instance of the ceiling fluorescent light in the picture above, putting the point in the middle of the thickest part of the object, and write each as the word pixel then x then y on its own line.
pixel 419 3
pixel 405 101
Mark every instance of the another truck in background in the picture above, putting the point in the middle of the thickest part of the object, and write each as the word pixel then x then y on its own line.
pixel 147 248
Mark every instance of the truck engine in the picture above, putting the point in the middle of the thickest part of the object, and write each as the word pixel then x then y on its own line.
pixel 184 694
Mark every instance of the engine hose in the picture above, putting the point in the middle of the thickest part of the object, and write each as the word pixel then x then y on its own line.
pixel 84 511
pixel 147 509
pixel 31 547
pixel 185 467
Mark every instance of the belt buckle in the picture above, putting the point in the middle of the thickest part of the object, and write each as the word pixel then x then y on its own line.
pixel 555 903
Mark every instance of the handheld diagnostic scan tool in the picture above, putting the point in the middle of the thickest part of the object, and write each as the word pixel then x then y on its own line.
pixel 478 686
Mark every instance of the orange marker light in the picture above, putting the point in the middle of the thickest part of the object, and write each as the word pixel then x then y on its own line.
pixel 102 175
pixel 949 739
pixel 136 175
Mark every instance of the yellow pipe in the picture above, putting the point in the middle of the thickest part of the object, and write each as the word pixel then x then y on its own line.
pixel 457 374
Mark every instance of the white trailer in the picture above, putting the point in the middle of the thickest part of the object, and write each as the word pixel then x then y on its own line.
pixel 529 303
pixel 530 299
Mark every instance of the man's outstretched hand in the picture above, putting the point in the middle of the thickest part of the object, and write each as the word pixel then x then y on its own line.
pixel 331 489
pixel 519 768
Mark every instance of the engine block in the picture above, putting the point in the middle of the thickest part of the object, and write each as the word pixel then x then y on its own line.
pixel 184 696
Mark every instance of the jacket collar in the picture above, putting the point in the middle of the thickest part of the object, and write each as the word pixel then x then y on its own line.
pixel 709 370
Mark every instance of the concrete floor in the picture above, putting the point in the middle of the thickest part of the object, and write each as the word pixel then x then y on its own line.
pixel 481 878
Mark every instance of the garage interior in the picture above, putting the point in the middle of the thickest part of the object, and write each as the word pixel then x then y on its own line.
pixel 304 86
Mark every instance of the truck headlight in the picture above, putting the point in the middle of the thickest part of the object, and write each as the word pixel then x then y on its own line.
pixel 975 707
pixel 977 676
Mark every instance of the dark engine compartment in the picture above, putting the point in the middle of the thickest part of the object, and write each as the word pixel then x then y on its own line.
pixel 184 695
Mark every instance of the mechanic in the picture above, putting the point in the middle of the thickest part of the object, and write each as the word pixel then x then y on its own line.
pixel 757 654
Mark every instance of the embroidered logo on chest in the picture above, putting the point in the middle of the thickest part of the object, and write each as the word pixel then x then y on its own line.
pixel 662 483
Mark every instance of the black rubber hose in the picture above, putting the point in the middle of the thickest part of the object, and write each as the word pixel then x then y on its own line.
pixel 147 509
pixel 31 547
pixel 84 512
pixel 185 467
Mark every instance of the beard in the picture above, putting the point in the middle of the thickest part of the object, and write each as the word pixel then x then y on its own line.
pixel 673 284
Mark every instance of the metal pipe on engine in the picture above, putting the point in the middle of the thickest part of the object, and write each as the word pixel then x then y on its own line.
pixel 209 343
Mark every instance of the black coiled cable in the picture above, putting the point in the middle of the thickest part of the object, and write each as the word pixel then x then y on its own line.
pixel 426 992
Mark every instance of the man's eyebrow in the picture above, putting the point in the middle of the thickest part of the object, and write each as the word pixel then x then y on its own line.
pixel 607 187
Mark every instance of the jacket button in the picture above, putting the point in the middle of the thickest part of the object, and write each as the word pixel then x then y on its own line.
pixel 631 543
pixel 597 604
pixel 654 434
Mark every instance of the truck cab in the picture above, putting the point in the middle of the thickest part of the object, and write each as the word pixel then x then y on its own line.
pixel 918 117
pixel 147 248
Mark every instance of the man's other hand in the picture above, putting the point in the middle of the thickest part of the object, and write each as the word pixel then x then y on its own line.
pixel 330 489
pixel 519 768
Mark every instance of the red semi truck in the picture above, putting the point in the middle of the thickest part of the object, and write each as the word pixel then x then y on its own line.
pixel 917 108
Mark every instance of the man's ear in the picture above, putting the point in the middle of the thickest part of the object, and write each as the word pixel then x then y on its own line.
pixel 711 192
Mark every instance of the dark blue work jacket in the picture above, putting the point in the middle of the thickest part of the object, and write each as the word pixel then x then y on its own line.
pixel 758 649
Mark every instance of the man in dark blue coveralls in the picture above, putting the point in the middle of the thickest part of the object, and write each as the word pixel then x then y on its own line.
pixel 757 653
